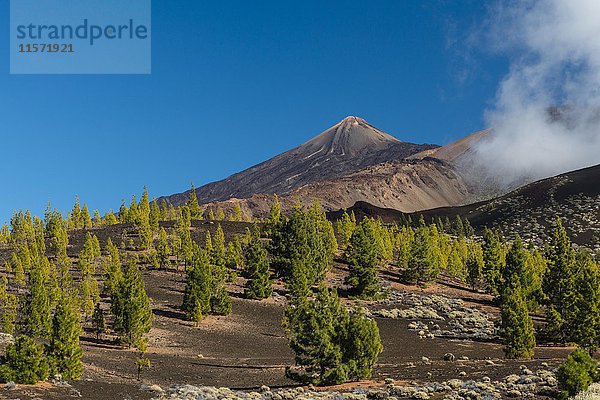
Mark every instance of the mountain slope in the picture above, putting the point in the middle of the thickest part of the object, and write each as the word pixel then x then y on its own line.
pixel 402 184
pixel 530 211
pixel 345 148
pixel 457 151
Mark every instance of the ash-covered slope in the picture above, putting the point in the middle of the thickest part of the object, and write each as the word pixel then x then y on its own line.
pixel 530 211
pixel 347 147
pixel 407 185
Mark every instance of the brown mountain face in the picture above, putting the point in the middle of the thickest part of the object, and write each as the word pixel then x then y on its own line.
pixel 457 151
pixel 530 211
pixel 407 185
pixel 342 150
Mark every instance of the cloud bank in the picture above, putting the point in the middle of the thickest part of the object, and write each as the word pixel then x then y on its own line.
pixel 546 113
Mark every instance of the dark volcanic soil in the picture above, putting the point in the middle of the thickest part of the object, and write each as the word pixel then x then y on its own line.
pixel 248 349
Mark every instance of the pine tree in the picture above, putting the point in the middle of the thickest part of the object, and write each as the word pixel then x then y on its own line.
pixel 64 350
pixel 584 327
pixel 154 216
pixel 275 213
pixel 237 213
pixel 459 228
pixel 139 215
pixel 305 241
pixel 517 325
pixel 469 231
pixel 98 321
pixel 192 203
pixel 89 288
pixel 454 263
pixel 112 269
pixel 58 239
pixel 423 263
pixel 37 307
pixel 183 230
pixel 175 243
pixel 133 215
pixel 345 227
pixel 316 330
pixel 75 220
pixel 218 248
pixel 123 213
pixel 97 219
pixel 559 284
pixel 493 263
pixel 576 374
pixel 196 297
pixel 515 268
pixel 474 264
pixel 330 346
pixel 144 205
pixel 220 301
pixel 220 215
pixel 131 306
pixel 163 250
pixel 234 255
pixel 402 246
pixel 259 284
pixel 363 257
pixel 362 345
pixel 24 362
pixel 142 361
pixel 86 219
pixel 9 304
pixel 110 219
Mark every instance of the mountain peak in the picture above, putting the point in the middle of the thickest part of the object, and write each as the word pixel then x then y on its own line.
pixel 343 149
pixel 350 136
pixel 351 119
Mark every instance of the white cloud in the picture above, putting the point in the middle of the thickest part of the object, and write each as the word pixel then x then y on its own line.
pixel 554 47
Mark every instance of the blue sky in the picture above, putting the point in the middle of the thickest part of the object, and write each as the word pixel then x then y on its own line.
pixel 234 83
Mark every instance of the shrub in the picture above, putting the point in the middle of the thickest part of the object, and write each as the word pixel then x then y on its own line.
pixel 577 373
pixel 24 362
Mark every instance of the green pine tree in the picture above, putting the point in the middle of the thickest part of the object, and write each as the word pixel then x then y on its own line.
pixel 330 346
pixel 363 257
pixel 163 250
pixel 196 297
pixel 493 262
pixel 86 219
pixel 474 264
pixel 345 227
pixel 112 269
pixel 259 284
pixel 237 213
pixel 192 203
pixel 362 345
pixel 98 321
pixel 24 362
pixel 576 374
pixel 64 350
pixel 517 325
pixel 424 259
pixel 559 285
pixel 585 324
pixel 131 306
pixel 154 216
pixel 37 307
pixel 142 361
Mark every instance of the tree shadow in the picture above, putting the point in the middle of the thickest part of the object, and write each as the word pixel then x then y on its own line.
pixel 102 343
pixel 173 314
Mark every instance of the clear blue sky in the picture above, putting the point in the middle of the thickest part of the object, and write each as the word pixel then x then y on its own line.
pixel 234 83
